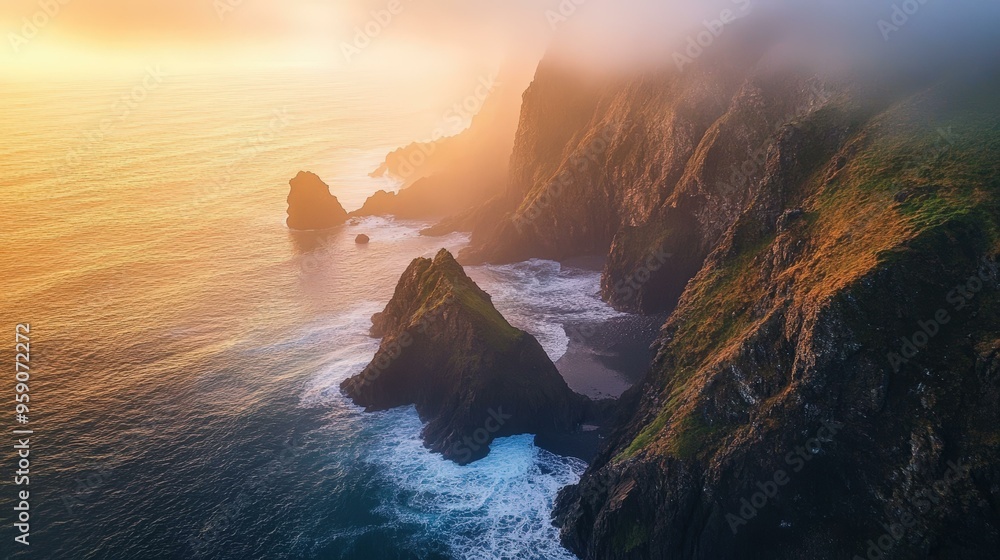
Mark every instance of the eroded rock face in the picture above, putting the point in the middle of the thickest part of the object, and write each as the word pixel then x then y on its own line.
pixel 651 171
pixel 472 376
pixel 311 206
pixel 827 377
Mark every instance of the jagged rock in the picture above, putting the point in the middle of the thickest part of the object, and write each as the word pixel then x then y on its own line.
pixel 472 376
pixel 787 217
pixel 362 239
pixel 311 206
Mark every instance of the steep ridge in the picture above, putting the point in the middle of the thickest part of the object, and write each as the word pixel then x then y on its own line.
pixel 827 385
pixel 472 376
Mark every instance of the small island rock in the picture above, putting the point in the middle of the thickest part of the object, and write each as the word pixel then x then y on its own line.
pixel 311 206
pixel 472 376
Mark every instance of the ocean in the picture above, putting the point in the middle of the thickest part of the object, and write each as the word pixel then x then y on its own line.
pixel 186 348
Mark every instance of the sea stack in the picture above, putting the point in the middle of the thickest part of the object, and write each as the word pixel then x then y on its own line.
pixel 311 206
pixel 362 239
pixel 472 376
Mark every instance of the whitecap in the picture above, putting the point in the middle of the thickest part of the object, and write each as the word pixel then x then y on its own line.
pixel 496 508
pixel 541 297
pixel 352 349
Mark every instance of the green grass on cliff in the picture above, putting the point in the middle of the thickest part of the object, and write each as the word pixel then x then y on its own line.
pixel 444 283
pixel 910 175
pixel 631 538
pixel 500 335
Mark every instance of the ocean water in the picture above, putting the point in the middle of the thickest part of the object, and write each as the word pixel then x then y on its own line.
pixel 186 348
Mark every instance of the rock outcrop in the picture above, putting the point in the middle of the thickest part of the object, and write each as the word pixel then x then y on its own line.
pixel 362 239
pixel 311 206
pixel 472 376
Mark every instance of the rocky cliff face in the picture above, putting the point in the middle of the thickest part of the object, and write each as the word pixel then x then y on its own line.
pixel 459 169
pixel 826 386
pixel 651 171
pixel 472 376
pixel 311 206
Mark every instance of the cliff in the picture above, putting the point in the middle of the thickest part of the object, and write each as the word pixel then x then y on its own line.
pixel 472 376
pixel 458 169
pixel 311 206
pixel 826 245
pixel 826 384
pixel 644 170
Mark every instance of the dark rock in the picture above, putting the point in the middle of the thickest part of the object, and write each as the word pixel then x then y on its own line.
pixel 362 239
pixel 472 376
pixel 311 206
pixel 787 217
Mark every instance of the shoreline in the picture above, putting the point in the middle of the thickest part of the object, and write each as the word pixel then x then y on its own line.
pixel 602 361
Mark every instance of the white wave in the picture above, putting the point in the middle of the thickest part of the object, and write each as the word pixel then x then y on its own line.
pixel 541 296
pixel 352 350
pixel 390 229
pixel 494 509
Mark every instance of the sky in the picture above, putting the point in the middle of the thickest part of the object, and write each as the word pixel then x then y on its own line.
pixel 96 36
pixel 69 37
pixel 100 36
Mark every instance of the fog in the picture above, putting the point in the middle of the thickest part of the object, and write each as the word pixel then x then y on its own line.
pixel 623 35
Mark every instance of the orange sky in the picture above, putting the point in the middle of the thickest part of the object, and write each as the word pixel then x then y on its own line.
pixel 98 36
